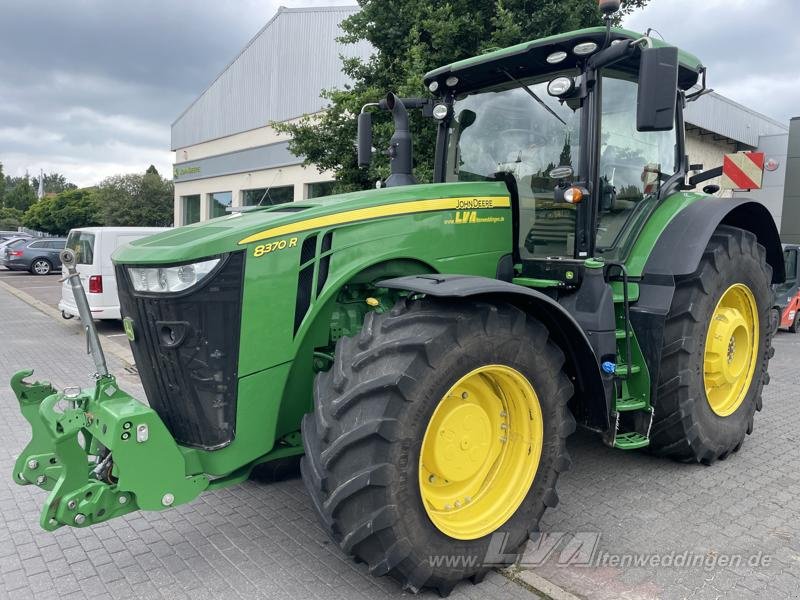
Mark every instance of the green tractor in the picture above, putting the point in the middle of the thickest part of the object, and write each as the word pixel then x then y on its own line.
pixel 429 348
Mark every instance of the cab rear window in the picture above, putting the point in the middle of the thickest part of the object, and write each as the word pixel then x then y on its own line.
pixel 82 244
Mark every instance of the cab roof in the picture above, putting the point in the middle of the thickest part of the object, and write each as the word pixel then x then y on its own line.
pixel 529 59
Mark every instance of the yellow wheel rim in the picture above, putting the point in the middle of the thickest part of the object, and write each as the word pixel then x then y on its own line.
pixel 480 452
pixel 731 351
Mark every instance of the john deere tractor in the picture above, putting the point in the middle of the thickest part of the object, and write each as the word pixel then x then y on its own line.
pixel 429 348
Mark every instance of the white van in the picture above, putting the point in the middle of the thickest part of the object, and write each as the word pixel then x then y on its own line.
pixel 93 247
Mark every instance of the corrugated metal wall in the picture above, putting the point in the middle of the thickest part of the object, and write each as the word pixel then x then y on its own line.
pixel 725 117
pixel 277 76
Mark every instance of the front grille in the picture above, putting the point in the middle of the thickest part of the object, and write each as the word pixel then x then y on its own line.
pixel 186 349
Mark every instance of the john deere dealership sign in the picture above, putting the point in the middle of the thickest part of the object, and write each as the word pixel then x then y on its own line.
pixel 178 172
pixel 269 156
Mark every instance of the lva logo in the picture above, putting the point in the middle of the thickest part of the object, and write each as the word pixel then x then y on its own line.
pixel 466 216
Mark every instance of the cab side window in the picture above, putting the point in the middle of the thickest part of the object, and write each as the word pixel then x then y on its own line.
pixel 632 164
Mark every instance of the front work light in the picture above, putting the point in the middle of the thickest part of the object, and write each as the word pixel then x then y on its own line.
pixel 165 280
pixel 560 86
pixel 556 57
pixel 584 48
pixel 440 111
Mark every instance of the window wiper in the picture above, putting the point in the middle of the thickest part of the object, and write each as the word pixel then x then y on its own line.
pixel 533 95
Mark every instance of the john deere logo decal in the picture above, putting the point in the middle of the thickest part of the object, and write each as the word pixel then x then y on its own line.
pixel 127 323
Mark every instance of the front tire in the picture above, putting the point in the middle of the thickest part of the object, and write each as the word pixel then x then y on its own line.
pixel 717 346
pixel 795 326
pixel 372 423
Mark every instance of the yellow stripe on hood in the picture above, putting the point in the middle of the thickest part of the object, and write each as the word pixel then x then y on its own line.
pixel 375 212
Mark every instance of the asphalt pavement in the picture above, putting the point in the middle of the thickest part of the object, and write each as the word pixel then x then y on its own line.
pixel 47 289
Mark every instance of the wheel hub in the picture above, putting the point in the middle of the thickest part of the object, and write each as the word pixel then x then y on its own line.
pixel 731 350
pixel 480 452
pixel 463 443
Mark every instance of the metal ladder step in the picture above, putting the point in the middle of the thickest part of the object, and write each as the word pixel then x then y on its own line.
pixel 630 441
pixel 620 334
pixel 628 404
pixel 623 370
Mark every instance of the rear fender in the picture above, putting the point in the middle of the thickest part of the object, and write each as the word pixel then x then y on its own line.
pixel 681 245
pixel 590 400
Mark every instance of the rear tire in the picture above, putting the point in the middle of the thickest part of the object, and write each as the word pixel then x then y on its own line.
pixel 796 323
pixel 41 266
pixel 372 410
pixel 685 426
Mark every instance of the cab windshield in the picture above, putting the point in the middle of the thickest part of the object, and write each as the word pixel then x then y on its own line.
pixel 504 130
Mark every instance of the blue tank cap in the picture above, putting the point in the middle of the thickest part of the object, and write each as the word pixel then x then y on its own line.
pixel 608 367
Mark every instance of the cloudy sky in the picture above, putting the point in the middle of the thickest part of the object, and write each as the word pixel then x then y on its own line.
pixel 90 87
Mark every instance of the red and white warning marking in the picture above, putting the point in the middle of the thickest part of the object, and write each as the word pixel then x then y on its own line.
pixel 742 171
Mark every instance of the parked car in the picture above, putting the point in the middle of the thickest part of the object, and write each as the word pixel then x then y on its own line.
pixel 93 247
pixel 37 255
pixel 6 241
pixel 6 235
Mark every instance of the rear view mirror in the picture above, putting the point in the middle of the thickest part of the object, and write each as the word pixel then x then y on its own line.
pixel 658 89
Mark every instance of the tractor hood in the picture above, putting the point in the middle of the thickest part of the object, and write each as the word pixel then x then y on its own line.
pixel 237 230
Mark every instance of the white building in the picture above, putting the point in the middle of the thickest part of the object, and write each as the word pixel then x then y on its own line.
pixel 227 154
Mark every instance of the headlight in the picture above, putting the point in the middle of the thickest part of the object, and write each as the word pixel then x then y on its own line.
pixel 170 279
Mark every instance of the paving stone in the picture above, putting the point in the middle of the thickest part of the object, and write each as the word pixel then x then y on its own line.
pixel 263 540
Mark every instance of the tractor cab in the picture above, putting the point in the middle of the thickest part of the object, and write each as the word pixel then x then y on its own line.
pixel 586 130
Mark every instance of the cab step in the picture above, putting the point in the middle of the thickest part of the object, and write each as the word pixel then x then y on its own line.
pixel 627 404
pixel 631 441
pixel 622 370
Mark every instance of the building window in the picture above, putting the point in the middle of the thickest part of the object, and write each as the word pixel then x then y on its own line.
pixel 220 201
pixel 268 196
pixel 319 189
pixel 191 209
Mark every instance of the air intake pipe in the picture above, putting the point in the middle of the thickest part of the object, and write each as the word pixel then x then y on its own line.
pixel 401 158
pixel 400 147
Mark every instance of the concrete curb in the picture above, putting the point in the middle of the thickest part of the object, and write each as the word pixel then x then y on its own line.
pixel 537 584
pixel 109 347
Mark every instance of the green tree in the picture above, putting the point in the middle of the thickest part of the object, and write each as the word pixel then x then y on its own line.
pixel 21 196
pixel 10 219
pixel 2 185
pixel 70 209
pixel 54 183
pixel 137 200
pixel 410 38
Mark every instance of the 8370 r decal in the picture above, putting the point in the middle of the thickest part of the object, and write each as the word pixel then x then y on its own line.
pixel 263 249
